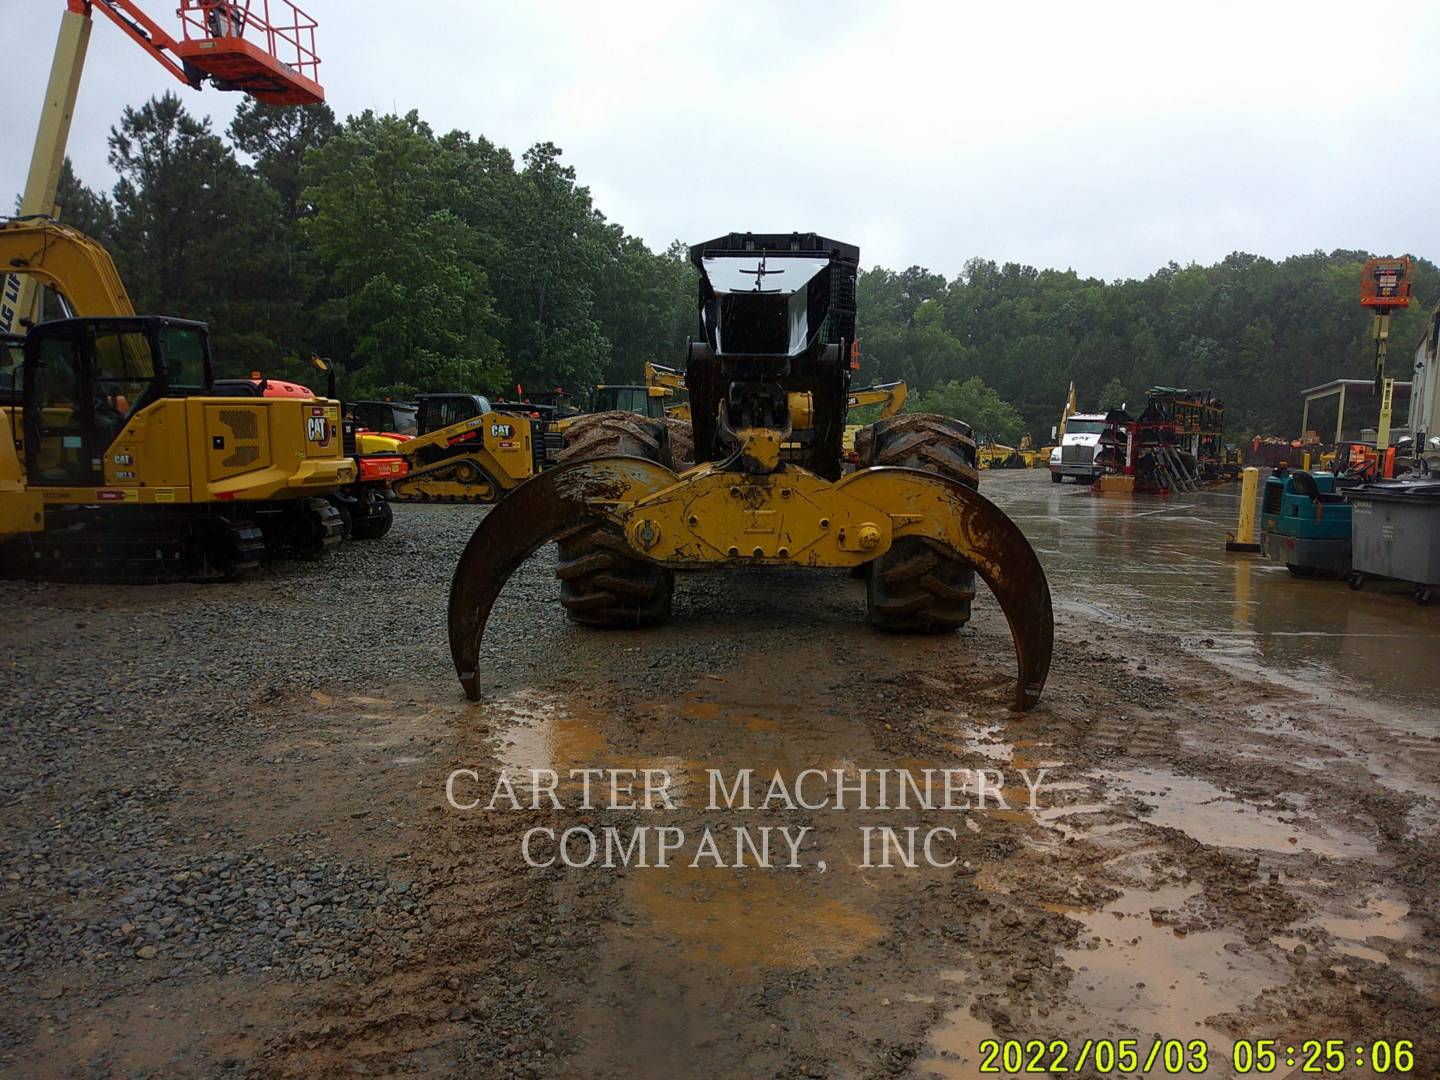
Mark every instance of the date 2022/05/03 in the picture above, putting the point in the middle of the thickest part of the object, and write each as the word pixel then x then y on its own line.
pixel 1247 1057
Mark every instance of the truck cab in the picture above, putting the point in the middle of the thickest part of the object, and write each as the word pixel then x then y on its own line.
pixel 1075 456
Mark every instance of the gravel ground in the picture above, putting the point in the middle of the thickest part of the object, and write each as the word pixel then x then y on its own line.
pixel 225 846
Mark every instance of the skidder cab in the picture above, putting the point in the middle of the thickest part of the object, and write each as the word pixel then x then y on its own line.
pixel 769 384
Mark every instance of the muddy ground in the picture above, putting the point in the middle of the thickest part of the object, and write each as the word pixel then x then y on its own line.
pixel 227 848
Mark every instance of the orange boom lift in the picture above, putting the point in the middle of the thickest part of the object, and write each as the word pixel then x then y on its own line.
pixel 265 48
pixel 1385 286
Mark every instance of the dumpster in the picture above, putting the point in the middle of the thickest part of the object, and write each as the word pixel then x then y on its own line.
pixel 1396 533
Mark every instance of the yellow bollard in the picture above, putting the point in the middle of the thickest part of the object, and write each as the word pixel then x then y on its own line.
pixel 1244 539
pixel 1305 462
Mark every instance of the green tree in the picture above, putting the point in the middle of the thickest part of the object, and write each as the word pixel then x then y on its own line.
pixel 195 233
pixel 278 137
pixel 408 305
pixel 88 210
pixel 972 401
pixel 1114 396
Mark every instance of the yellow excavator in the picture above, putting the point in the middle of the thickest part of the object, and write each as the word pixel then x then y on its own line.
pixel 768 382
pixel 118 454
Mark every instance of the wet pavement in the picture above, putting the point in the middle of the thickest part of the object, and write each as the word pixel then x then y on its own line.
pixel 1161 561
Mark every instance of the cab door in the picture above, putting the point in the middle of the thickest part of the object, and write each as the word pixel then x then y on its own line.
pixel 84 380
pixel 60 448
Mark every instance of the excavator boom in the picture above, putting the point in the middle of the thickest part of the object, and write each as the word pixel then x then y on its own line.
pixel 67 262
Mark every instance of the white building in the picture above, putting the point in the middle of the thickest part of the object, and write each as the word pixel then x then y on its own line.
pixel 1425 391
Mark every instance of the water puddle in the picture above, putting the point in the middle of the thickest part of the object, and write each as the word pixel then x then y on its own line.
pixel 1378 921
pixel 562 734
pixel 1215 817
pixel 954 1045
pixel 1134 972
pixel 747 921
pixel 1131 562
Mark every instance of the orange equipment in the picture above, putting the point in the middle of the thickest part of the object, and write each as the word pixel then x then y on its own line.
pixel 1386 283
pixel 235 44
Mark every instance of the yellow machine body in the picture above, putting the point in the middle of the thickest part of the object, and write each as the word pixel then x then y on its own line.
pixel 497 454
pixel 711 517
pixel 373 442
pixel 192 451
pixel 769 393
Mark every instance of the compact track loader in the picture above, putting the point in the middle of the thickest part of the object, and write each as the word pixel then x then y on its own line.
pixel 768 381
pixel 467 450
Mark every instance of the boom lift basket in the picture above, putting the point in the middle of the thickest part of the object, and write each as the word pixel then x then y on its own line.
pixel 264 48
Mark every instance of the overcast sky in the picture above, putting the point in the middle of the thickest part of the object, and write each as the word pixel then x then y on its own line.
pixel 1110 138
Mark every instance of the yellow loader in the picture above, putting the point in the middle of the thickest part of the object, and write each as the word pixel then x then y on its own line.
pixel 769 487
pixel 467 450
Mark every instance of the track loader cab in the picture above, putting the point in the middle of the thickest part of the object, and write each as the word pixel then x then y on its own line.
pixel 641 400
pixel 468 450
pixel 385 417
pixel 436 411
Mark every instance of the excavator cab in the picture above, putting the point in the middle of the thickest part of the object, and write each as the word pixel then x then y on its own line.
pixel 641 400
pixel 12 372
pixel 84 379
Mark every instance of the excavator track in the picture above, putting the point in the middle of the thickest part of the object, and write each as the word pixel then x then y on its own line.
pixel 304 529
pixel 147 545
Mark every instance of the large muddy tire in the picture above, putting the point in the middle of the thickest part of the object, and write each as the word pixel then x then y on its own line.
pixel 606 434
pixel 601 582
pixel 918 586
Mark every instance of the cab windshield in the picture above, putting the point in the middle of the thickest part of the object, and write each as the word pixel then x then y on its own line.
pixel 1084 427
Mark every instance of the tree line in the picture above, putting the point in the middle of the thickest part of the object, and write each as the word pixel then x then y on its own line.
pixel 427 262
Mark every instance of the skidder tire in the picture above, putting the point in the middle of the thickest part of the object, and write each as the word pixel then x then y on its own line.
pixel 601 582
pixel 607 434
pixel 918 586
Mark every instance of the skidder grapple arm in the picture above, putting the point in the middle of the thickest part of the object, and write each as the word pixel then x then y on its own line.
pixel 704 518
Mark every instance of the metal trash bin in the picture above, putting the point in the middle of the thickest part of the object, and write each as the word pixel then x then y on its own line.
pixel 1395 533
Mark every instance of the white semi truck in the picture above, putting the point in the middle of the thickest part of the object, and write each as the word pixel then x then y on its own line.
pixel 1075 456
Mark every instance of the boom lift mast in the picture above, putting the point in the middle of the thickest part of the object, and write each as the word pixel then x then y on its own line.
pixel 1385 285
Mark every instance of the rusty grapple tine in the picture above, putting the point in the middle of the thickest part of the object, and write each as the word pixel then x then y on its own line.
pixel 1003 557
pixel 520 524
pixel 982 533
